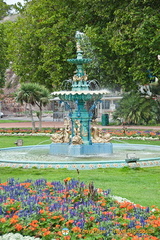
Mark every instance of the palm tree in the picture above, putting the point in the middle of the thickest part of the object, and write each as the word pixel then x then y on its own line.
pixel 135 108
pixel 33 94
pixel 43 100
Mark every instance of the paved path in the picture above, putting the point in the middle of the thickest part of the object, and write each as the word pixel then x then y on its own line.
pixel 52 124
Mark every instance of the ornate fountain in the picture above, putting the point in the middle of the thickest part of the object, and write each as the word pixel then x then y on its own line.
pixel 80 141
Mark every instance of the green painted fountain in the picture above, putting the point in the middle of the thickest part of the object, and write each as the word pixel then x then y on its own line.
pixel 80 142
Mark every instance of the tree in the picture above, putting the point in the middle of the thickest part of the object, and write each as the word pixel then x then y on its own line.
pixel 135 40
pixel 33 94
pixel 43 100
pixel 135 108
pixel 4 9
pixel 40 43
pixel 44 38
pixel 124 36
pixel 3 53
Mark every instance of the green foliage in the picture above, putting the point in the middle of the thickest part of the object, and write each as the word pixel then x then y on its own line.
pixel 42 43
pixel 4 9
pixel 135 39
pixel 3 59
pixel 135 108
pixel 33 94
pixel 123 41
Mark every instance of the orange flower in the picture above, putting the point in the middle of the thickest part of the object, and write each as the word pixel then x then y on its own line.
pixel 14 220
pixel 18 227
pixel 79 235
pixel 112 208
pixel 41 211
pixel 156 223
pixel 69 222
pixel 26 185
pixel 58 226
pixel 138 226
pixel 34 223
pixel 32 228
pixel 103 204
pixel 91 218
pixel 59 233
pixel 67 237
pixel 94 230
pixel 3 220
pixel 46 233
pixel 76 229
pixel 13 208
pixel 55 217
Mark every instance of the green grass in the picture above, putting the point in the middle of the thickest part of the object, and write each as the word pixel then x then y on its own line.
pixel 135 141
pixel 12 121
pixel 9 141
pixel 140 185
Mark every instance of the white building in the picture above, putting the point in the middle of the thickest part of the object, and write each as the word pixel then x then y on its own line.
pixel 107 105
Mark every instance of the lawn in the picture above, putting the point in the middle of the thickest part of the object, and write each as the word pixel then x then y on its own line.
pixel 9 141
pixel 12 121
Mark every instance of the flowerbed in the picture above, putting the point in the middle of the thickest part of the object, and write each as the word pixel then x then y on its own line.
pixel 128 133
pixel 116 133
pixel 27 131
pixel 72 210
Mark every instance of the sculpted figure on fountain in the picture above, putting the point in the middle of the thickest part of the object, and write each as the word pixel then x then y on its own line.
pixel 98 137
pixel 77 133
pixel 63 136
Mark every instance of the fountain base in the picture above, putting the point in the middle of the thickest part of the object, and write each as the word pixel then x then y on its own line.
pixel 67 149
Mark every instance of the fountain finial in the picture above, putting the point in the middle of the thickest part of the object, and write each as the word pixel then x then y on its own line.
pixel 79 61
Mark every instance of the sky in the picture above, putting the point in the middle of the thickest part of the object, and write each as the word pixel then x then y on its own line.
pixel 13 1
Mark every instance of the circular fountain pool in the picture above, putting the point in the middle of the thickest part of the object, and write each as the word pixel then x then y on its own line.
pixel 38 156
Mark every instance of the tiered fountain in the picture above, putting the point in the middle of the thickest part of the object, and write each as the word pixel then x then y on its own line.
pixel 80 142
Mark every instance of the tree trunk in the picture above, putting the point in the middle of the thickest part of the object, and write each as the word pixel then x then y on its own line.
pixel 32 119
pixel 40 117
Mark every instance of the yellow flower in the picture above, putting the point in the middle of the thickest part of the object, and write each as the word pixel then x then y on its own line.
pixel 67 179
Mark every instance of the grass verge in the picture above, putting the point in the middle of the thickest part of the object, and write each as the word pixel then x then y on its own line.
pixel 13 121
pixel 8 141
